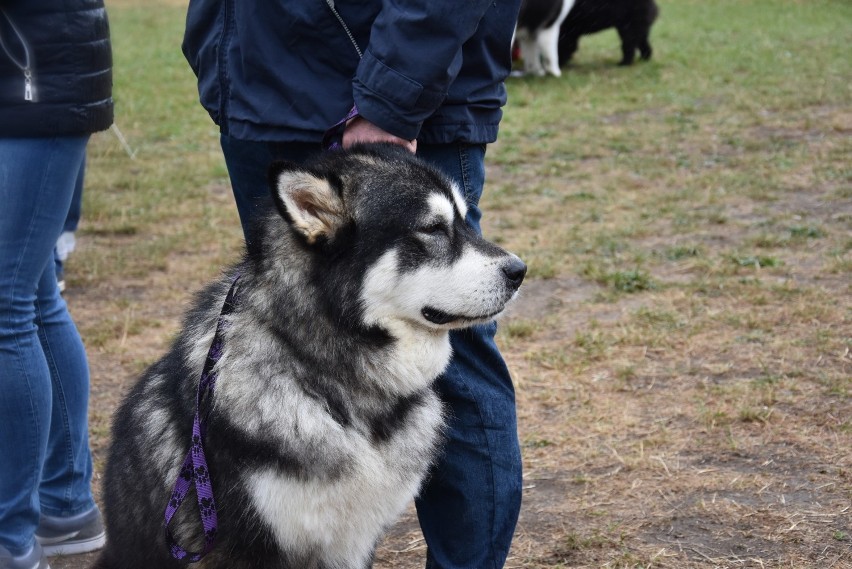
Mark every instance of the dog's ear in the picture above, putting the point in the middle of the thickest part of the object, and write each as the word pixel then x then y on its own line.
pixel 308 201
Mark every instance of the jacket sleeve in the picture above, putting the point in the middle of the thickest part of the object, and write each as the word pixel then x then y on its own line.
pixel 414 54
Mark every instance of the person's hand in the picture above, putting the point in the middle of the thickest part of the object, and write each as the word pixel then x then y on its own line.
pixel 360 129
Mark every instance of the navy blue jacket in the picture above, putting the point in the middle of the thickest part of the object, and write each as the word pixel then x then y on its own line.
pixel 287 70
pixel 71 64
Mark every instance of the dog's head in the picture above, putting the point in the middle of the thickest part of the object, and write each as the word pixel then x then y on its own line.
pixel 388 243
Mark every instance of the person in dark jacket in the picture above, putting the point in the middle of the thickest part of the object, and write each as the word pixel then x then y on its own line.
pixel 55 90
pixel 425 74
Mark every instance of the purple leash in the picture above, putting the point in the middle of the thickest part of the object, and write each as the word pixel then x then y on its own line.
pixel 333 137
pixel 194 470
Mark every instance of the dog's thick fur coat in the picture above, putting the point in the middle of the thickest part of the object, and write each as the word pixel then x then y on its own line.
pixel 324 420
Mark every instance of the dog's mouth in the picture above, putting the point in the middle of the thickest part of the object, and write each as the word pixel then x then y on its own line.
pixel 442 318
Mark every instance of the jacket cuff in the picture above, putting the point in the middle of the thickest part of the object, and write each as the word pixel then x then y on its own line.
pixel 392 101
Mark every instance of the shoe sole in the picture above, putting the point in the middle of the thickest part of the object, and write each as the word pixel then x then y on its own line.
pixel 75 547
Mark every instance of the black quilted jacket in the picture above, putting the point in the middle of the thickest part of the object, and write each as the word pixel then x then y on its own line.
pixel 66 44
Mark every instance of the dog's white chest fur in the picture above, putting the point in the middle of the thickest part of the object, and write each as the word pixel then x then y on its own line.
pixel 343 517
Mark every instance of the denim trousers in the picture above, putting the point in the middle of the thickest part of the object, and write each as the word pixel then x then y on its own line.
pixel 46 465
pixel 469 504
pixel 72 221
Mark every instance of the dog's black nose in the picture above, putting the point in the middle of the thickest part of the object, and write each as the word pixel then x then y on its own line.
pixel 515 270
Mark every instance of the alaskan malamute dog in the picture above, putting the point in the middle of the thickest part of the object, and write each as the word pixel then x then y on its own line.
pixel 323 421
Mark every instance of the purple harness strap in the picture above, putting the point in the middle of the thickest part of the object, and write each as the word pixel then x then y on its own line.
pixel 194 470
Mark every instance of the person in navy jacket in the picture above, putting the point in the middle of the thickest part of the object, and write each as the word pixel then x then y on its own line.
pixel 427 75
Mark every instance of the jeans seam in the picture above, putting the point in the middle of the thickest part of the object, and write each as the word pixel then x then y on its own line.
pixel 59 393
pixel 492 553
pixel 491 550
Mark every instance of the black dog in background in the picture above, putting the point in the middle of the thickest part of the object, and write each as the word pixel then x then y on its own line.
pixel 632 18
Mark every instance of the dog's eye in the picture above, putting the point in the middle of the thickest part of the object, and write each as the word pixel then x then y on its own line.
pixel 434 229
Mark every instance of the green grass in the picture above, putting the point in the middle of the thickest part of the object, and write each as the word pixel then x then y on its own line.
pixel 726 109
pixel 145 208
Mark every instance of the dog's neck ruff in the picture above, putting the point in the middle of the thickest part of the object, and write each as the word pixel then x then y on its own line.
pixel 194 470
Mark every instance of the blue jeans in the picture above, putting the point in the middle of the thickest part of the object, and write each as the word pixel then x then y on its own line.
pixel 46 464
pixel 470 503
pixel 72 220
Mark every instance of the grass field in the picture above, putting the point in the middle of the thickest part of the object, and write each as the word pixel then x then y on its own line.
pixel 681 350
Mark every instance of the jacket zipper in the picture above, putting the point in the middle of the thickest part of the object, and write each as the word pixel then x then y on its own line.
pixel 25 67
pixel 345 27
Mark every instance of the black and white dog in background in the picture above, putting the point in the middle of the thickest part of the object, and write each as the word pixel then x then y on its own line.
pixel 324 419
pixel 631 18
pixel 548 31
pixel 537 34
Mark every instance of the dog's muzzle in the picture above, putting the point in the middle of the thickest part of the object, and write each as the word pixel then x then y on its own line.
pixel 513 272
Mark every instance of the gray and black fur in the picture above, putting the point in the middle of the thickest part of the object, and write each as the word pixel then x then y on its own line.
pixel 631 18
pixel 324 419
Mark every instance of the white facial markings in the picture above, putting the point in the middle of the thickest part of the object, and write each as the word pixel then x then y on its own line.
pixel 403 300
pixel 380 286
pixel 459 198
pixel 473 286
pixel 418 356
pixel 441 209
